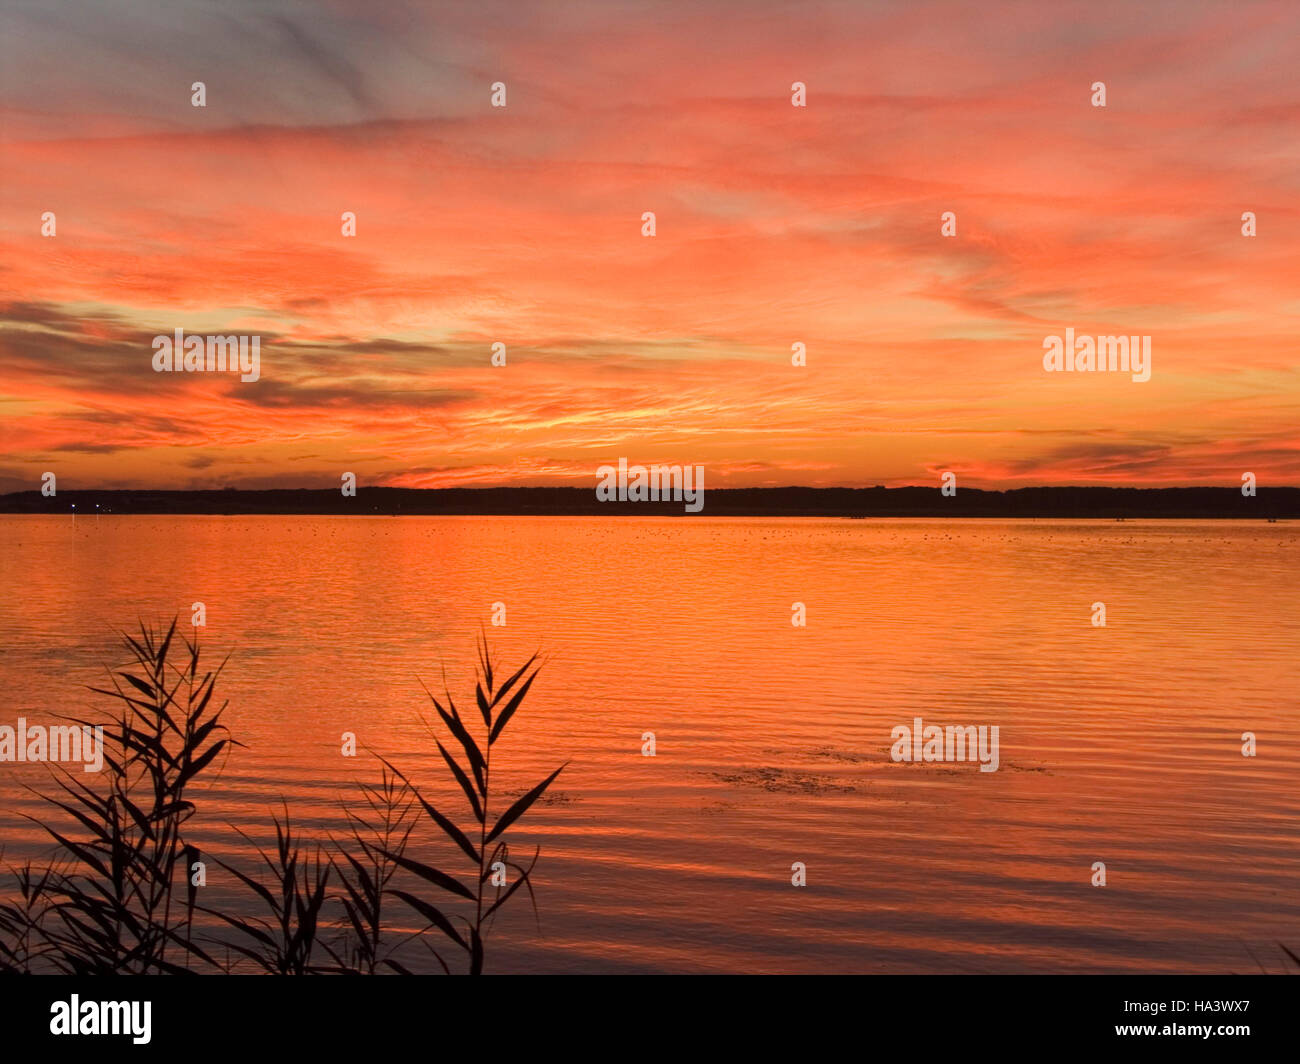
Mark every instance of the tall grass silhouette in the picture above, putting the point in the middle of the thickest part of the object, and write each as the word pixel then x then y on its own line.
pixel 110 909
pixel 380 827
pixel 118 899
pixel 295 900
pixel 476 784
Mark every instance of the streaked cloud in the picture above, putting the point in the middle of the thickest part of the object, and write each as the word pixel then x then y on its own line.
pixel 775 225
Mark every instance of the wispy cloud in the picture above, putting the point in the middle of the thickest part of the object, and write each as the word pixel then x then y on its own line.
pixel 775 224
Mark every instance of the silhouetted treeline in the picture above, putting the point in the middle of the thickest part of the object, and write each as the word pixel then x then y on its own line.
pixel 1275 502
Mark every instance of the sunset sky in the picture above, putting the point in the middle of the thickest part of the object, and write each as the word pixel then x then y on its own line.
pixel 775 225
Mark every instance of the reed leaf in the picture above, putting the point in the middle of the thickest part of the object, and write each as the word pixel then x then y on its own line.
pixel 433 875
pixel 521 806
pixel 433 915
pixel 503 718
pixel 464 782
pixel 447 826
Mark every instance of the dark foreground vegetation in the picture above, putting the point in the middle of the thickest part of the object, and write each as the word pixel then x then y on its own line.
pixel 118 896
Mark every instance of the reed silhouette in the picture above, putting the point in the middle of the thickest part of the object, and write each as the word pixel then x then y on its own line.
pixel 107 907
pixel 478 794
pixel 120 898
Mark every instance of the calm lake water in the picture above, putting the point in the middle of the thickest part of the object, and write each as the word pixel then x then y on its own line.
pixel 1119 744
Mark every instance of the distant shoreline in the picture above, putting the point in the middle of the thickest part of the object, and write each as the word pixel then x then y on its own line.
pixel 1064 502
